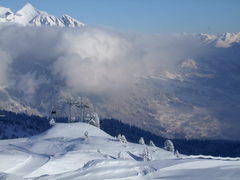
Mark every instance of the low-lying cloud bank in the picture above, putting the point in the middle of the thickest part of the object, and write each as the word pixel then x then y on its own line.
pixel 168 84
pixel 89 60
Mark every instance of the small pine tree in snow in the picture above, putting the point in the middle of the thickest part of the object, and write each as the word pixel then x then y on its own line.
pixel 119 137
pixel 96 119
pixel 151 143
pixel 147 155
pixel 168 145
pixel 86 136
pixel 124 140
pixel 93 119
pixel 141 141
pixel 52 122
pixel 176 153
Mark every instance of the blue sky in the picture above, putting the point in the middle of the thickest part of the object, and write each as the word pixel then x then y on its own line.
pixel 167 16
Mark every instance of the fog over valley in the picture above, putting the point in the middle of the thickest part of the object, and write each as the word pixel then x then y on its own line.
pixel 172 84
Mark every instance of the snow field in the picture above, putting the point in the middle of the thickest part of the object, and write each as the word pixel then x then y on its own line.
pixel 64 153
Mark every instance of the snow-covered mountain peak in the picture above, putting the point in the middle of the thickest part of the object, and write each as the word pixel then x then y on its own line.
pixel 27 8
pixel 224 40
pixel 26 14
pixel 30 16
pixel 70 22
pixel 4 12
pixel 207 37
pixel 228 39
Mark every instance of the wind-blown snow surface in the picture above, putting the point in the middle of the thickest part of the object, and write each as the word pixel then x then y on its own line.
pixel 63 153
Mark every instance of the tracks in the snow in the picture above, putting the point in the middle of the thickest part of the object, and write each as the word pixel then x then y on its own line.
pixel 32 163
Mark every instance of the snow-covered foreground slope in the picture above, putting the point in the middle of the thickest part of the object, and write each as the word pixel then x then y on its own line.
pixel 63 153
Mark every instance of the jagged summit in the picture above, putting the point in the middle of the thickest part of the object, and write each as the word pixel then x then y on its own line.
pixel 4 12
pixel 30 16
pixel 27 8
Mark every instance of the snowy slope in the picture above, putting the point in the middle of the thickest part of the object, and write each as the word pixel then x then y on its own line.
pixel 63 153
pixel 30 16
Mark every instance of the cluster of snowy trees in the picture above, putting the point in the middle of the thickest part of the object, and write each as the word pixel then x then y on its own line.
pixel 133 134
pixel 122 139
pixel 168 145
pixel 93 119
pixel 147 154
pixel 75 110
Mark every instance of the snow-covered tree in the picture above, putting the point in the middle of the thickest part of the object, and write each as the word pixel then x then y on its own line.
pixel 97 120
pixel 52 122
pixel 86 137
pixel 122 138
pixel 151 143
pixel 147 155
pixel 93 119
pixel 176 153
pixel 141 141
pixel 168 145
pixel 119 137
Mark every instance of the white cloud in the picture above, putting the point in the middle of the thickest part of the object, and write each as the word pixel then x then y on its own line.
pixel 93 44
pixel 89 60
pixel 28 83
pixel 5 61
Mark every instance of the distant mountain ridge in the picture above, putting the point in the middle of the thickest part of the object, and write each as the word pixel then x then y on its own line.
pixel 224 40
pixel 30 16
